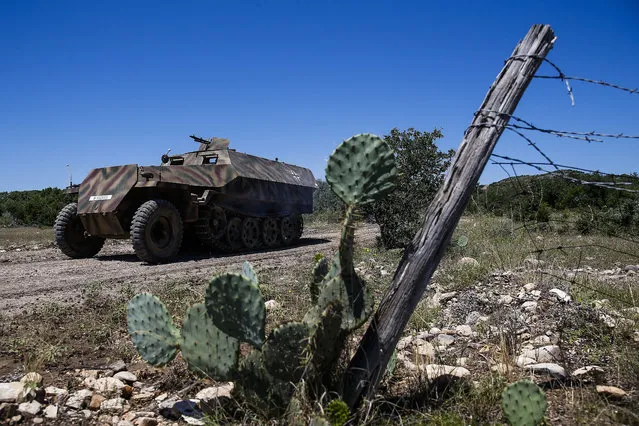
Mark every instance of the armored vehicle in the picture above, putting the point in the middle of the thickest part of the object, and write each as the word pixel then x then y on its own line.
pixel 228 200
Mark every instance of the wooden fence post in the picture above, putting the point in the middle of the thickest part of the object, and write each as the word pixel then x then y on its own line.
pixel 422 256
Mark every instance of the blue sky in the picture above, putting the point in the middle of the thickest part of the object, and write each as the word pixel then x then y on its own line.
pixel 104 83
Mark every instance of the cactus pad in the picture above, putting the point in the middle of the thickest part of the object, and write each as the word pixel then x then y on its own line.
pixel 319 272
pixel 249 272
pixel 152 330
pixel 206 349
pixel 283 351
pixel 524 403
pixel 361 169
pixel 327 340
pixel 335 291
pixel 236 307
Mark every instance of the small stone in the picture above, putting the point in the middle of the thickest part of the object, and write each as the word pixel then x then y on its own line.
pixel 145 421
pixel 548 353
pixel 142 397
pixel 117 366
pixel 96 402
pixel 588 372
pixel 424 349
pixel 125 376
pixel 404 342
pixel 114 405
pixel 15 419
pixel 108 386
pixel 462 362
pixel 193 420
pixel 445 297
pixel 536 294
pixel 55 394
pixel 271 305
pixel 547 368
pixel 125 423
pixel 611 391
pixel 473 318
pixel 502 368
pixel 634 268
pixel 29 409
pixel 560 295
pixel 464 330
pixel 444 340
pixel 505 300
pixel 51 412
pixel 92 374
pixel 529 287
pixel 79 399
pixel 215 392
pixel 522 361
pixel 468 262
pixel 37 420
pixel 435 371
pixel 87 414
pixel 9 392
pixel 434 330
pixel 530 306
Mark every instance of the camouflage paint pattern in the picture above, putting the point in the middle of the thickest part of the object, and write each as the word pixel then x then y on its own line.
pixel 239 182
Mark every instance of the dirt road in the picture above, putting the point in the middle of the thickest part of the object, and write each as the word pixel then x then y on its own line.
pixel 31 277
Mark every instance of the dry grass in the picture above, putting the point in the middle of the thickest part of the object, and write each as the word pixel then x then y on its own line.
pixel 22 236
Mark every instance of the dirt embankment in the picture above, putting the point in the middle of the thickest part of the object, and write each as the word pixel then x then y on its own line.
pixel 30 277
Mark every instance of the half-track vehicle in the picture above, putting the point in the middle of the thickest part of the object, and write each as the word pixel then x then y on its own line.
pixel 228 200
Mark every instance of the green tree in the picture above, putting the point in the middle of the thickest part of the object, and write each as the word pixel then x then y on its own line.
pixel 421 167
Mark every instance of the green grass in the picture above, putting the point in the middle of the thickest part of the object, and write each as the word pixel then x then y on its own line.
pixel 25 235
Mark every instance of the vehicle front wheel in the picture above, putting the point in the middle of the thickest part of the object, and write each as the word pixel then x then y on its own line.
pixel 157 231
pixel 70 235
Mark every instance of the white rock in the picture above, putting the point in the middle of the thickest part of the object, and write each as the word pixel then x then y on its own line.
pixel 612 391
pixel 547 368
pixel 473 318
pixel 445 297
pixel 29 409
pixel 108 386
pixel 587 371
pixel 93 374
pixel 125 376
pixel 522 361
pixel 434 330
pixel 271 305
pixel 79 399
pixel 464 330
pixel 125 423
pixel 51 412
pixel 548 353
pixel 117 366
pixel 560 295
pixel 142 397
pixel 114 405
pixel 215 392
pixel 404 342
pixel 462 362
pixel 536 294
pixel 435 371
pixel 424 349
pixel 468 262
pixel 505 300
pixel 53 392
pixel 530 306
pixel 529 286
pixel 193 420
pixel 9 392
pixel 444 340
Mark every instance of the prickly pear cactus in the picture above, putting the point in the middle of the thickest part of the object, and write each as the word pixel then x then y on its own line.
pixel 206 349
pixel 151 328
pixel 361 169
pixel 524 403
pixel 236 307
pixel 283 352
pixel 319 272
pixel 249 272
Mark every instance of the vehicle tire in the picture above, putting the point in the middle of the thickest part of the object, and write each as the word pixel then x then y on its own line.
pixel 298 221
pixel 287 230
pixel 251 235
pixel 70 235
pixel 270 232
pixel 157 231
pixel 211 225
pixel 234 233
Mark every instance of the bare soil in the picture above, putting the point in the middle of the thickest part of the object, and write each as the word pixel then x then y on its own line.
pixel 29 277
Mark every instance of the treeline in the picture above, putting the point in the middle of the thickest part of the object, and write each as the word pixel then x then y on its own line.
pixel 32 208
pixel 538 198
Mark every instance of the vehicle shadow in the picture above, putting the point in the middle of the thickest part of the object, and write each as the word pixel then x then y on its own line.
pixel 193 252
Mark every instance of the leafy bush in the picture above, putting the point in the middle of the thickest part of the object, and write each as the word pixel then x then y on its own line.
pixel 421 168
pixel 33 207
